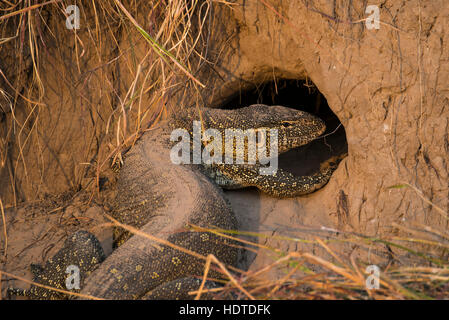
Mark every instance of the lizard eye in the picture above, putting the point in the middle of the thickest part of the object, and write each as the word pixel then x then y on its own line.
pixel 286 124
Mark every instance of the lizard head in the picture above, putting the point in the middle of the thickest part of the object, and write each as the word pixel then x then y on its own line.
pixel 295 128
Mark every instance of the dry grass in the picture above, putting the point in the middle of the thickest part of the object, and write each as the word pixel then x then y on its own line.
pixel 408 274
pixel 418 269
pixel 165 70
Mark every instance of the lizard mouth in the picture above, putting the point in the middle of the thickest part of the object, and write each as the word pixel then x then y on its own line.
pixel 304 96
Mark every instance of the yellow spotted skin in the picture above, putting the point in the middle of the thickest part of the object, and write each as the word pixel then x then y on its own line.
pixel 82 250
pixel 295 128
pixel 180 289
pixel 163 199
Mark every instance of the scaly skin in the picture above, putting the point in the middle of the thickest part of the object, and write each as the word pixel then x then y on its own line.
pixel 295 128
pixel 82 249
pixel 161 198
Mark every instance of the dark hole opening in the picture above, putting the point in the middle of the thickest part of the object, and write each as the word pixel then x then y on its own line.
pixel 300 95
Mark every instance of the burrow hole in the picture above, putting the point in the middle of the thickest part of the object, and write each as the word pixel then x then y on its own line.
pixel 300 95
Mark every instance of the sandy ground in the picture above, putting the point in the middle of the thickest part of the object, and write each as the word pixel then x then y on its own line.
pixel 36 231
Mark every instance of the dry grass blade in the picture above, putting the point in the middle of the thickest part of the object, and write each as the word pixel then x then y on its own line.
pixel 167 243
pixel 222 233
pixel 283 280
pixel 330 251
pixel 157 47
pixel 4 227
pixel 212 258
pixel 203 281
pixel 153 238
pixel 345 273
pixel 32 7
pixel 442 212
pixel 271 266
